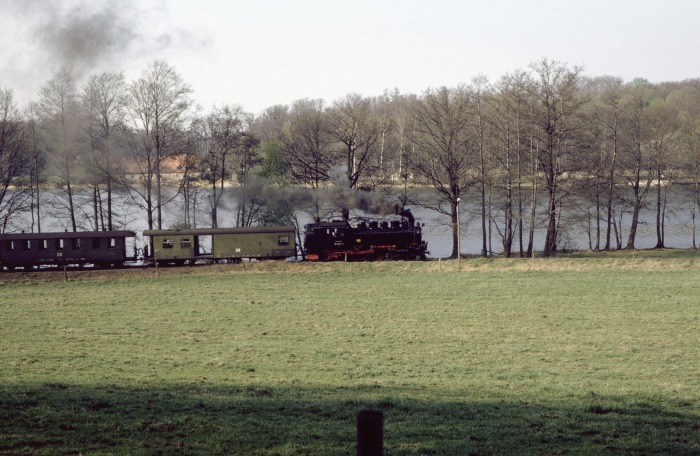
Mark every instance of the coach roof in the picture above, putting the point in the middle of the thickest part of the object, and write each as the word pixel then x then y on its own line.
pixel 67 235
pixel 212 231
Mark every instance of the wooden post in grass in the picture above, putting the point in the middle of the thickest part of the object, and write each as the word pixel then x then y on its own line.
pixel 370 433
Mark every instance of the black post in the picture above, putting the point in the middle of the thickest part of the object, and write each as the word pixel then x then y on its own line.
pixel 370 433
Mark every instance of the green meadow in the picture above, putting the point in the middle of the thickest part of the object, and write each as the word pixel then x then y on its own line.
pixel 586 355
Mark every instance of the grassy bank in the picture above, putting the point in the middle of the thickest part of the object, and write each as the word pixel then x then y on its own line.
pixel 563 356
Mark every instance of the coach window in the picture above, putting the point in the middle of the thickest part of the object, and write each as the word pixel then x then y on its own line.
pixel 26 245
pixel 283 239
pixel 96 243
pixel 43 244
pixel 60 244
pixel 10 245
pixel 112 243
pixel 76 243
pixel 168 243
pixel 185 243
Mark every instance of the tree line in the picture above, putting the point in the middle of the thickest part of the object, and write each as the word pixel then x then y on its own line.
pixel 542 137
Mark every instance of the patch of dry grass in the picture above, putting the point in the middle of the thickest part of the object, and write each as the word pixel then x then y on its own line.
pixel 624 260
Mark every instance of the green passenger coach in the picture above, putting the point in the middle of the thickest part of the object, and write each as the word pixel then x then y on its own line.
pixel 181 246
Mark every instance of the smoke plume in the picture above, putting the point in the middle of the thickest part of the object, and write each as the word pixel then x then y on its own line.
pixel 88 36
pixel 336 196
pixel 341 196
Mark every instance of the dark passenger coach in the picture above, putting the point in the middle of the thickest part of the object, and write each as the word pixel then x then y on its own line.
pixel 34 250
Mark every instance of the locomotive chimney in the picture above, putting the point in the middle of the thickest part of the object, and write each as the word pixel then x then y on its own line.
pixel 407 213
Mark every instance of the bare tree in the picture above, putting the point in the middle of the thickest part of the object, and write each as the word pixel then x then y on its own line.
pixel 637 157
pixel 37 162
pixel 663 130
pixel 245 160
pixel 354 125
pixel 443 141
pixel 14 158
pixel 103 103
pixel 479 94
pixel 557 99
pixel 190 166
pixel 689 131
pixel 610 116
pixel 157 105
pixel 596 159
pixel 387 149
pixel 396 149
pixel 306 146
pixel 58 105
pixel 222 133
pixel 507 105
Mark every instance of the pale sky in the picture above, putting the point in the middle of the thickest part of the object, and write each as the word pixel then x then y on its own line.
pixel 258 53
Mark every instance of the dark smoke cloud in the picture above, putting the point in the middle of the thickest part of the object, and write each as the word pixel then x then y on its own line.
pixel 341 196
pixel 85 36
pixel 336 196
pixel 79 40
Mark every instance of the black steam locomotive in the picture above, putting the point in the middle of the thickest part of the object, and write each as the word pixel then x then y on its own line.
pixel 339 240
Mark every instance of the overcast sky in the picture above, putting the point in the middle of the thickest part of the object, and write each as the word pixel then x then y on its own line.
pixel 258 53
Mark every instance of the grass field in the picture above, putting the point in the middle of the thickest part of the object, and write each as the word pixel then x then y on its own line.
pixel 560 356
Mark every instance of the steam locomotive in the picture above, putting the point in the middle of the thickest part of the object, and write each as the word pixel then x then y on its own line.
pixel 339 240
pixel 324 241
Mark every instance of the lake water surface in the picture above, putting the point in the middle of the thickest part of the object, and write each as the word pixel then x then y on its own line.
pixel 574 230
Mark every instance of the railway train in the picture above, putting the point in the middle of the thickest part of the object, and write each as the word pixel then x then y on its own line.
pixel 323 241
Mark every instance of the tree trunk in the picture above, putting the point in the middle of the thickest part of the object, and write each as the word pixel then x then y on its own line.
pixel 71 207
pixel 550 244
pixel 533 203
pixel 95 212
pixel 659 210
pixel 633 227
pixel 508 241
pixel 521 212
pixel 636 209
pixel 455 238
pixel 611 188
pixel 38 193
pixel 214 205
pixel 110 225
pixel 158 198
